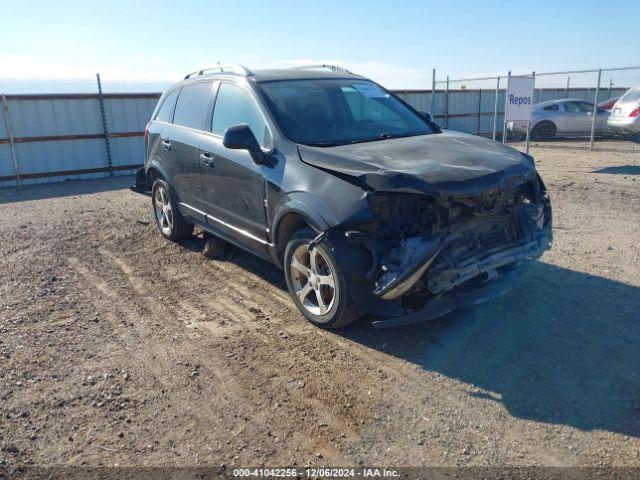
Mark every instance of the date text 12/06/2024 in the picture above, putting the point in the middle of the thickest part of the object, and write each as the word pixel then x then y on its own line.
pixel 316 472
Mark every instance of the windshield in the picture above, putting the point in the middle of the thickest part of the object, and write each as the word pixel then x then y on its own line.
pixel 329 112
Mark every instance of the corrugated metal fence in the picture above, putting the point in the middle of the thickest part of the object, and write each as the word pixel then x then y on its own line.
pixel 57 137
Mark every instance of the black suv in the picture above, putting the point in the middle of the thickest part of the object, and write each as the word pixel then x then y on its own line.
pixel 369 207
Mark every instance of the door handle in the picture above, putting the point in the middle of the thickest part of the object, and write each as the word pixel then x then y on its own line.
pixel 208 159
pixel 166 144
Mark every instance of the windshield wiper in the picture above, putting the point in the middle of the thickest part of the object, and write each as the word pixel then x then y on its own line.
pixel 385 136
pixel 324 144
pixel 382 136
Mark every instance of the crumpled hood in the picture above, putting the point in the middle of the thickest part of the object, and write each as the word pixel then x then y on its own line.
pixel 450 162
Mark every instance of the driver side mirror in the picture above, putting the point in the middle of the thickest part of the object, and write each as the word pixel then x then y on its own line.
pixel 240 137
pixel 428 117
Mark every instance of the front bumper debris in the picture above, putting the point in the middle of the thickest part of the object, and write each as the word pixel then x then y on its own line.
pixel 455 300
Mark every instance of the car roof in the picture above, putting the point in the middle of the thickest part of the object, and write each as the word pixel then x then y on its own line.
pixel 268 75
pixel 294 74
pixel 559 100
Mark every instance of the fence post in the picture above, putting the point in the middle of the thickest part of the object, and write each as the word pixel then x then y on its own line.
pixel 446 105
pixel 528 139
pixel 433 93
pixel 495 110
pixel 479 110
pixel 12 144
pixel 104 125
pixel 595 111
pixel 566 92
pixel 504 117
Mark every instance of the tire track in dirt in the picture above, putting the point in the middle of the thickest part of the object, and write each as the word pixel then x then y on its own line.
pixel 240 313
pixel 155 356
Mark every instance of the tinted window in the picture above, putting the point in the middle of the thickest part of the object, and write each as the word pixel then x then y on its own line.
pixel 234 107
pixel 578 107
pixel 336 112
pixel 553 106
pixel 193 105
pixel 165 113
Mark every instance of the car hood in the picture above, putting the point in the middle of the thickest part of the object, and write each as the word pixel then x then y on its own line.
pixel 448 162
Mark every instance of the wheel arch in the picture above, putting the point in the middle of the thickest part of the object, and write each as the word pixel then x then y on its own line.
pixel 155 170
pixel 297 211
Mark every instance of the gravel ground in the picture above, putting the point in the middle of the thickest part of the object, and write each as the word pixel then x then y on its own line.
pixel 120 348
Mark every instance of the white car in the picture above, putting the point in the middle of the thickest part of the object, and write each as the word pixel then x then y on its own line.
pixel 625 114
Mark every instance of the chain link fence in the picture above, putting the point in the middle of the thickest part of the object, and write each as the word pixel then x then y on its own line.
pixel 563 114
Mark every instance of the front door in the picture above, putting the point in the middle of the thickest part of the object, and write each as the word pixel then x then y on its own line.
pixel 579 117
pixel 233 185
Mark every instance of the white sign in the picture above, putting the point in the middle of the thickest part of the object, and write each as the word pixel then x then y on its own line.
pixel 519 99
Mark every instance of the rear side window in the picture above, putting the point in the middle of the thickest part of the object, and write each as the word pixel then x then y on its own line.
pixel 234 107
pixel 165 113
pixel 553 106
pixel 193 106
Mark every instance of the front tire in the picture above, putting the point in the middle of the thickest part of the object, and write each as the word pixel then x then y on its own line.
pixel 169 220
pixel 316 282
pixel 544 130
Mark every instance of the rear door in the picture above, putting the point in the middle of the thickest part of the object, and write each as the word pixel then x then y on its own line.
pixel 159 123
pixel 232 183
pixel 183 142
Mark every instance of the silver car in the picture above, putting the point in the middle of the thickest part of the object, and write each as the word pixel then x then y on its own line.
pixel 625 114
pixel 564 117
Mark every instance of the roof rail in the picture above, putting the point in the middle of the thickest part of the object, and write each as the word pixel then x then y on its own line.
pixel 239 69
pixel 333 68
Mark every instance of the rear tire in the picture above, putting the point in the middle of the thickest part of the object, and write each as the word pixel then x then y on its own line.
pixel 169 220
pixel 316 282
pixel 544 130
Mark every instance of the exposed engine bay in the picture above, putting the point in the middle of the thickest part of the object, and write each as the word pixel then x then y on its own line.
pixel 423 248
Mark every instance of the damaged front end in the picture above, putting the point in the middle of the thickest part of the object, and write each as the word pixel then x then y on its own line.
pixel 429 254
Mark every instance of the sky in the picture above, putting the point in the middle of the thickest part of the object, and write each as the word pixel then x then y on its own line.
pixel 53 44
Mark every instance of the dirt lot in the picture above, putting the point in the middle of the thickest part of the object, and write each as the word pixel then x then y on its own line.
pixel 119 347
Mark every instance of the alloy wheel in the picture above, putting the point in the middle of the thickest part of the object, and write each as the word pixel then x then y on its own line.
pixel 313 280
pixel 164 213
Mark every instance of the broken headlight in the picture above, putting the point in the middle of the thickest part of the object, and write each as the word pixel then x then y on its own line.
pixel 404 214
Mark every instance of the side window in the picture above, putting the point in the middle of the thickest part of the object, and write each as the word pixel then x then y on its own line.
pixel 165 113
pixel 553 106
pixel 234 107
pixel 585 106
pixel 578 107
pixel 193 106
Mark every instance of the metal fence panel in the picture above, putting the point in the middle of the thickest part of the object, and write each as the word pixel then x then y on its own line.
pixel 59 137
pixel 127 151
pixel 6 166
pixel 60 156
pixel 128 114
pixel 53 117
